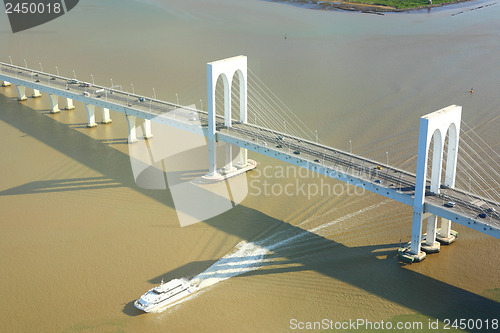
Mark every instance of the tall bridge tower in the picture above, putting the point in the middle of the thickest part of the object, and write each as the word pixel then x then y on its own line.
pixel 227 69
pixel 434 125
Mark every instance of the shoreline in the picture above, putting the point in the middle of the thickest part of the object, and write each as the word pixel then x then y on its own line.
pixel 372 8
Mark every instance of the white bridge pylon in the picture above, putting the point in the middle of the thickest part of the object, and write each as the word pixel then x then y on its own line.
pixel 227 69
pixel 434 125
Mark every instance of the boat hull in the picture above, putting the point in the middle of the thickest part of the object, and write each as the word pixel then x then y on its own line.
pixel 160 306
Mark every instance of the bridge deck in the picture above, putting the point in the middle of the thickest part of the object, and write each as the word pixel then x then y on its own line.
pixel 379 178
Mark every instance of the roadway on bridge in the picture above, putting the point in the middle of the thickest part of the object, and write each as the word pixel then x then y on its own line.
pixel 466 204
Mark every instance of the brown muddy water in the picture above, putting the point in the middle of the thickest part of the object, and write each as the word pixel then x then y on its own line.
pixel 80 241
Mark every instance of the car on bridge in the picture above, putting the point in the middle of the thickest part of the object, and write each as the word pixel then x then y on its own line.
pixel 297 152
pixel 73 81
pixel 141 99
pixel 449 204
pixel 482 215
pixel 99 93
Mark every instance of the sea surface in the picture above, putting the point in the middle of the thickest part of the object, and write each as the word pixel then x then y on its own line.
pixel 80 241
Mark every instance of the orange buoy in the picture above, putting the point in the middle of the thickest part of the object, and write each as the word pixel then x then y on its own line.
pixel 471 90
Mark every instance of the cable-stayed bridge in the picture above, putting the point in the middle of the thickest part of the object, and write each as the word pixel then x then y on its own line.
pixel 430 197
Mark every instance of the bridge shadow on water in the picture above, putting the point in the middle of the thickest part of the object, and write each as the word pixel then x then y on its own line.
pixel 308 251
pixel 62 185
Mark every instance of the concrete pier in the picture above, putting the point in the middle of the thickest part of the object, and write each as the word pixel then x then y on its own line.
pixel 90 115
pixel 36 93
pixel 147 129
pixel 220 175
pixel 228 168
pixel 430 245
pixel 54 102
pixel 243 160
pixel 445 235
pixel 105 116
pixel 21 92
pixel 132 136
pixel 405 254
pixel 69 104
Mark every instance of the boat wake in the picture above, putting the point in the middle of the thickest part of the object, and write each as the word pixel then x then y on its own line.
pixel 247 257
pixel 250 256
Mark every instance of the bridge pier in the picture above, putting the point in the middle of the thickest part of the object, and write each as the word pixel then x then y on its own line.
pixel 147 129
pixel 6 84
pixel 105 116
pixel 243 162
pixel 445 234
pixel 434 125
pixel 132 137
pixel 69 104
pixel 21 92
pixel 228 168
pixel 54 102
pixel 90 115
pixel 431 245
pixel 36 93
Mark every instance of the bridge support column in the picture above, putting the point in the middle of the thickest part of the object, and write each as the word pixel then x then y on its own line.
pixel 430 245
pixel 229 159
pixel 132 137
pixel 21 92
pixel 54 102
pixel 36 93
pixel 244 119
pixel 147 129
pixel 445 234
pixel 105 116
pixel 243 162
pixel 69 104
pixel 6 84
pixel 90 115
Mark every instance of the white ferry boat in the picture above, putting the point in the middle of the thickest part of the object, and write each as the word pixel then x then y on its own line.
pixel 165 294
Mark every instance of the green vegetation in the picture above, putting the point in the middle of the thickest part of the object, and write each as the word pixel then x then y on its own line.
pixel 401 4
pixel 493 294
pixel 380 5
